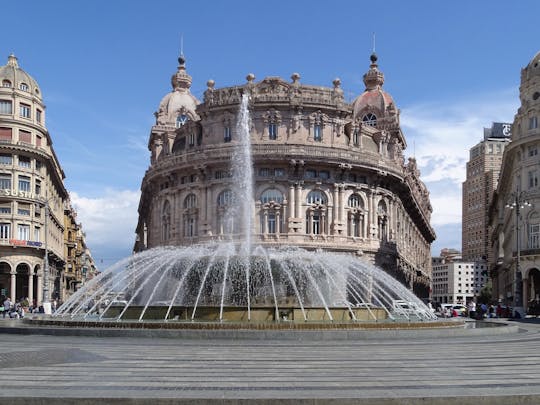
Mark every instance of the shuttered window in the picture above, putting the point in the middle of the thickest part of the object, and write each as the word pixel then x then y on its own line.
pixel 5 134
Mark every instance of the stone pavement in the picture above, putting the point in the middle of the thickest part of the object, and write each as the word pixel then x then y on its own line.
pixel 498 369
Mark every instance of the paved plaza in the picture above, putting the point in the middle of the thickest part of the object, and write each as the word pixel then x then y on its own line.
pixel 430 369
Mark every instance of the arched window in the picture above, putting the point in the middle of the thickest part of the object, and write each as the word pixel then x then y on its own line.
pixel 181 120
pixel 225 198
pixel 270 195
pixel 23 86
pixel 190 217
pixel 316 212
pixel 6 83
pixel 316 197
pixel 370 119
pixel 166 221
pixel 272 211
pixel 190 201
pixel 356 219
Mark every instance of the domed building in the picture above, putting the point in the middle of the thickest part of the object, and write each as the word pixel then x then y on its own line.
pixel 327 174
pixel 33 199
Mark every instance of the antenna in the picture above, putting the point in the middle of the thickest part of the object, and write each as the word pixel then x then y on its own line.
pixel 181 44
pixel 373 42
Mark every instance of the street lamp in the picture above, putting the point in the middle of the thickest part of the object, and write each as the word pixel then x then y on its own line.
pixel 518 202
pixel 46 303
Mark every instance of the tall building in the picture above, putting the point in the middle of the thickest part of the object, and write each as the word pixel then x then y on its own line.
pixel 328 174
pixel 32 192
pixel 483 168
pixel 515 214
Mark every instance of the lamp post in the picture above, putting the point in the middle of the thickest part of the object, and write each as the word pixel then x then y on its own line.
pixel 518 202
pixel 46 288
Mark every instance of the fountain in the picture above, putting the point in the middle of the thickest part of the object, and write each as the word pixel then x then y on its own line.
pixel 233 281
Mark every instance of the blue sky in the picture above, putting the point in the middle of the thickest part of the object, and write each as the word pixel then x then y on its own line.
pixel 103 67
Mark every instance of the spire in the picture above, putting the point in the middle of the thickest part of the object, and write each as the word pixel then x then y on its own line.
pixel 181 79
pixel 12 61
pixel 374 78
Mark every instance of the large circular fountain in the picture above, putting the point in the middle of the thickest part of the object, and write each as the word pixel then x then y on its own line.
pixel 217 282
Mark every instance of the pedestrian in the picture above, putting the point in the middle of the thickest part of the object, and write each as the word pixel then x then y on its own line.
pixel 7 307
pixel 472 309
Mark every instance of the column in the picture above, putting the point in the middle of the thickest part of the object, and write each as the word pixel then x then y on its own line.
pixel 297 201
pixel 31 287
pixel 278 223
pixel 12 289
pixel 291 202
pixel 39 288
pixel 265 222
pixel 341 208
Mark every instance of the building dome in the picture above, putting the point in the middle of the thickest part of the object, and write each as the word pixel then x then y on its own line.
pixel 179 104
pixel 11 75
pixel 374 102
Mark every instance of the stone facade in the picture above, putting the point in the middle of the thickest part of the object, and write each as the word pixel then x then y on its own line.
pixel 32 192
pixel 327 174
pixel 515 212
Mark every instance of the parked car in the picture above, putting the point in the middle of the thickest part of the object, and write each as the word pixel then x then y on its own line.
pixel 459 308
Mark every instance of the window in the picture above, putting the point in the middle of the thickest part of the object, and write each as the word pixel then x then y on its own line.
pixel 5 135
pixel 6 159
pixel 24 110
pixel 279 172
pixel 317 133
pixel 5 231
pixel 325 175
pixel 23 209
pixel 38 165
pixel 355 201
pixel 311 174
pixel 24 161
pixel 23 86
pixel 181 120
pixel 24 183
pixel 272 131
pixel 38 115
pixel 271 222
pixel 38 187
pixel 5 207
pixel 25 136
pixel 6 83
pixel 166 221
pixel 534 236
pixel 190 226
pixel 225 198
pixel 370 119
pixel 38 141
pixel 5 107
pixel 221 174
pixel 533 122
pixel 533 151
pixel 5 181
pixel 190 201
pixel 272 195
pixel 533 179
pixel 316 197
pixel 227 134
pixel 191 139
pixel 23 232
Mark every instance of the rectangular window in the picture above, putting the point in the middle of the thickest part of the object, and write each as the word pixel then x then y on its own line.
pixel 356 137
pixel 23 209
pixel 37 232
pixel 533 151
pixel 534 236
pixel 191 139
pixel 325 175
pixel 264 172
pixel 227 134
pixel 279 172
pixel 5 208
pixel 24 110
pixel 5 107
pixel 5 135
pixel 5 181
pixel 38 165
pixel 24 183
pixel 25 136
pixel 311 174
pixel 271 223
pixel 533 179
pixel 317 133
pixel 38 141
pixel 23 232
pixel 533 122
pixel 38 115
pixel 38 187
pixel 272 131
pixel 5 231
pixel 6 159
pixel 24 162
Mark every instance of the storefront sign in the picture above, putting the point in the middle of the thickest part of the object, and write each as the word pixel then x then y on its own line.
pixel 17 193
pixel 29 243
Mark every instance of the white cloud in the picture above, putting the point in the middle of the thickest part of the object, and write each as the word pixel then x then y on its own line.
pixel 108 220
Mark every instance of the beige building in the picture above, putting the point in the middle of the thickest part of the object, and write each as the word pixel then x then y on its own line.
pixel 515 214
pixel 482 175
pixel 327 174
pixel 32 192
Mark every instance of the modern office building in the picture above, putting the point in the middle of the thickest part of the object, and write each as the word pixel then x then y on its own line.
pixel 515 212
pixel 327 174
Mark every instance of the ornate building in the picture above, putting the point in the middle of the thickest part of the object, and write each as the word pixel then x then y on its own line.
pixel 327 174
pixel 515 212
pixel 32 192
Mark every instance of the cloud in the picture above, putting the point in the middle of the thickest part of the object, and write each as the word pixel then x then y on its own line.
pixel 439 135
pixel 109 222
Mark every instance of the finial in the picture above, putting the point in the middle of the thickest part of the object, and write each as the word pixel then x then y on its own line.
pixel 250 77
pixel 373 43
pixel 181 58
pixel 12 60
pixel 295 77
